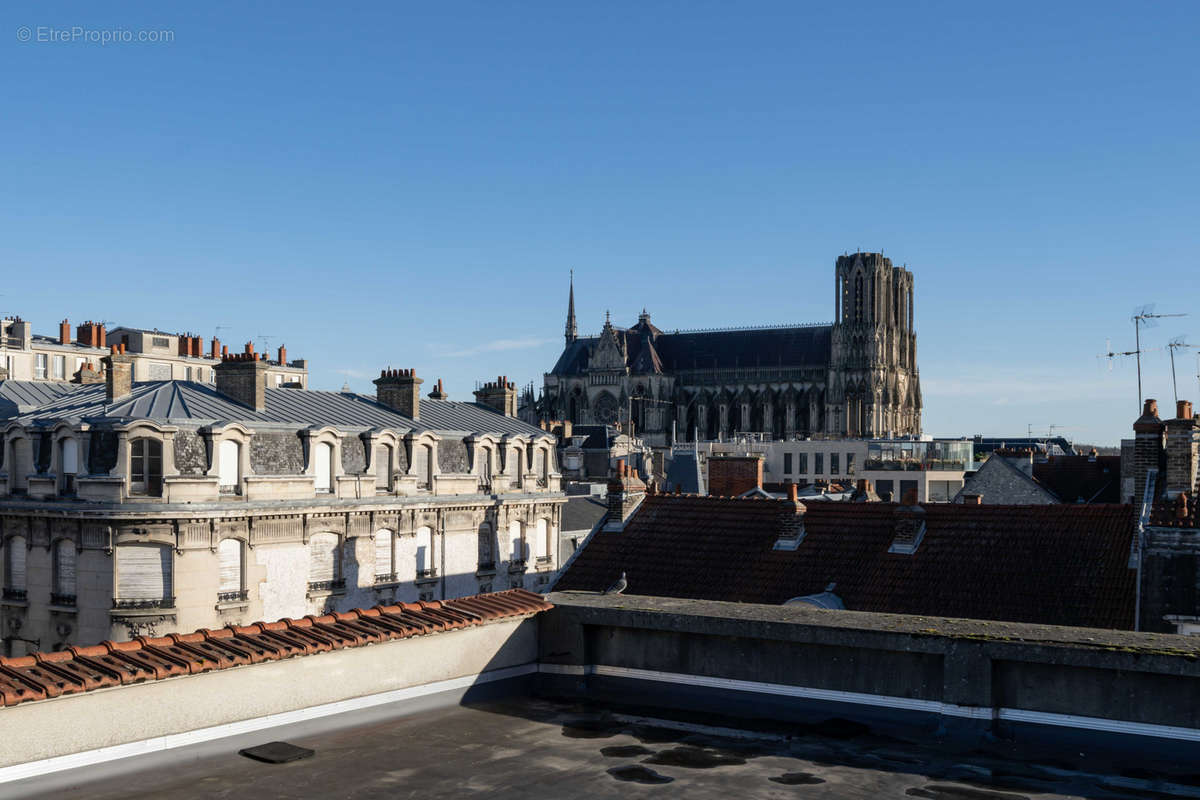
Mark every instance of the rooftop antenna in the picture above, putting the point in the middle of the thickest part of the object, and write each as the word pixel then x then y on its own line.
pixel 1144 316
pixel 1173 345
pixel 266 340
pixel 217 331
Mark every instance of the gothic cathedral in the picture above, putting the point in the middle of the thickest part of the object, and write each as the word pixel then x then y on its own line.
pixel 855 378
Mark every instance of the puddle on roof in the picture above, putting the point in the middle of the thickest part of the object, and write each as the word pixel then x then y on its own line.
pixel 635 773
pixel 625 751
pixel 796 779
pixel 694 758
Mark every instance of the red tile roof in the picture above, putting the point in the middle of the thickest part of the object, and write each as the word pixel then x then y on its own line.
pixel 81 669
pixel 1057 564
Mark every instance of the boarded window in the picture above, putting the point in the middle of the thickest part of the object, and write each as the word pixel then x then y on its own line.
pixel 384 550
pixel 324 558
pixel 229 566
pixel 424 551
pixel 229 455
pixel 143 572
pixel 541 540
pixel 323 455
pixel 14 564
pixel 64 568
pixel 383 466
pixel 145 467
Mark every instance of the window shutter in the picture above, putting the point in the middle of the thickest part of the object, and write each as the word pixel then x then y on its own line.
pixel 16 563
pixel 383 552
pixel 228 455
pixel 323 562
pixel 64 567
pixel 229 565
pixel 70 457
pixel 542 539
pixel 383 467
pixel 143 572
pixel 516 542
pixel 323 453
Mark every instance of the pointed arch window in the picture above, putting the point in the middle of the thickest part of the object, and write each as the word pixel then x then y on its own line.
pixel 858 297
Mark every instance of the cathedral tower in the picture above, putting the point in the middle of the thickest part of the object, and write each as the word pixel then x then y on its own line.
pixel 874 387
pixel 572 330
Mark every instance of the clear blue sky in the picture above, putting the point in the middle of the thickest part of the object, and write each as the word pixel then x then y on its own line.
pixel 408 185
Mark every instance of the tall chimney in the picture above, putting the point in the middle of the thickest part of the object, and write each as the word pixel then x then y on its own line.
pixel 215 353
pixel 101 336
pixel 500 395
pixel 438 393
pixel 118 376
pixel 1147 449
pixel 1182 446
pixel 400 390
pixel 64 332
pixel 243 379
pixel 625 493
pixel 732 475
pixel 282 355
pixel 908 525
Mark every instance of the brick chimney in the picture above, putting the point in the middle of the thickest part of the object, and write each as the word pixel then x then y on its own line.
pixel 1147 449
pixel 87 374
pixel 215 353
pixel 625 493
pixel 1181 451
pixel 90 334
pixel 732 475
pixel 908 525
pixel 282 355
pixel 438 392
pixel 500 395
pixel 242 378
pixel 118 374
pixel 64 332
pixel 400 390
pixel 791 521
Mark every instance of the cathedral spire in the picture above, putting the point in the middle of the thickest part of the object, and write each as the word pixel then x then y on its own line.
pixel 572 330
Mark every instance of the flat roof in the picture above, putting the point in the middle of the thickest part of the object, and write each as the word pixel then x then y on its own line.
pixel 529 748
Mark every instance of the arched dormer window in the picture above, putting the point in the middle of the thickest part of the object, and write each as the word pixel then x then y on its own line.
pixel 146 467
pixel 229 461
pixel 68 464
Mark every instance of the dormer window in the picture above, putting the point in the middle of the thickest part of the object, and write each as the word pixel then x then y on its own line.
pixel 68 461
pixel 145 467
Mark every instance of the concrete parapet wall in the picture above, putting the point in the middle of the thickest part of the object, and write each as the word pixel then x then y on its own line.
pixel 984 677
pixel 112 723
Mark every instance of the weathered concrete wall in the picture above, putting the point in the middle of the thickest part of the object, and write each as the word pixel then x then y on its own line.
pixel 92 720
pixel 966 671
pixel 354 456
pixel 452 456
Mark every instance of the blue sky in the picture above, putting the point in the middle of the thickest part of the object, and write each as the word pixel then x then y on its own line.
pixel 408 185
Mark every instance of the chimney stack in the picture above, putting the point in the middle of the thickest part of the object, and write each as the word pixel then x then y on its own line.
pixel 908 525
pixel 400 390
pixel 731 475
pixel 64 332
pixel 87 374
pixel 438 392
pixel 243 379
pixel 500 395
pixel 282 355
pixel 791 521
pixel 625 493
pixel 215 354
pixel 1147 449
pixel 1181 451
pixel 118 374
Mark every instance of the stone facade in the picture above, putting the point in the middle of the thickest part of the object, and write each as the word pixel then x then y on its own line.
pixel 857 377
pixel 114 526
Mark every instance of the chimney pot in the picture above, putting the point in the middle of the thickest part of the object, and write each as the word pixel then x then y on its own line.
pixel 64 332
pixel 1183 409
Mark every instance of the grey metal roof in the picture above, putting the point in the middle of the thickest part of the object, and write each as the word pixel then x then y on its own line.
pixel 19 397
pixel 196 402
pixel 582 512
pixel 683 473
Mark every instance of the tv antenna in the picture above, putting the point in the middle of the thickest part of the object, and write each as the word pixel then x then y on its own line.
pixel 217 331
pixel 266 340
pixel 1144 316
pixel 1176 344
pixel 1110 354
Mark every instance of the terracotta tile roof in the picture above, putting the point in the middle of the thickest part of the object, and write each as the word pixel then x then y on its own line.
pixel 1081 478
pixel 1058 564
pixel 81 669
